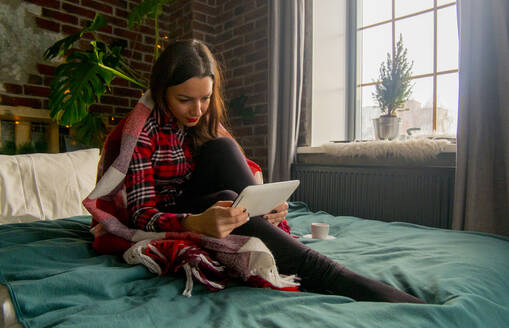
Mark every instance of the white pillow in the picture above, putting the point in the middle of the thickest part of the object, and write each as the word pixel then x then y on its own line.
pixel 46 186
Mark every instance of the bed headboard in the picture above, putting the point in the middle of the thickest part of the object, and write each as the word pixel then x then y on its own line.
pixel 23 119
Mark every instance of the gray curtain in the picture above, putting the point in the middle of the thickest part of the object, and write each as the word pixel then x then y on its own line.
pixel 285 84
pixel 481 191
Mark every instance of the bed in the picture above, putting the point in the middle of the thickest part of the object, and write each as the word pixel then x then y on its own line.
pixel 51 277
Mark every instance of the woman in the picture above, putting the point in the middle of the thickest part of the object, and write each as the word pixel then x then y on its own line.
pixel 186 170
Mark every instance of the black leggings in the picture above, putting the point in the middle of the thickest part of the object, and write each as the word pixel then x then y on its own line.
pixel 221 173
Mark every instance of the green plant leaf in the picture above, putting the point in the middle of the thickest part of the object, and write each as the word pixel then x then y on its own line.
pixel 146 8
pixel 394 86
pixel 237 106
pixel 90 131
pixel 123 75
pixel 77 84
pixel 98 23
pixel 26 148
pixel 60 47
pixel 113 59
pixel 86 76
pixel 9 148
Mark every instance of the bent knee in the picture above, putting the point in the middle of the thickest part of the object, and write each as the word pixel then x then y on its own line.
pixel 227 195
pixel 219 144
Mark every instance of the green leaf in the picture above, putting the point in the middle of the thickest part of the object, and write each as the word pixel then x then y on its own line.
pixel 110 61
pixel 26 148
pixel 394 86
pixel 60 47
pixel 123 75
pixel 98 23
pixel 77 84
pixel 113 58
pixel 90 131
pixel 9 148
pixel 146 8
pixel 237 106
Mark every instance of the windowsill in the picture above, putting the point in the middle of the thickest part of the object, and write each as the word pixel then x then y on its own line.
pixel 316 155
pixel 451 148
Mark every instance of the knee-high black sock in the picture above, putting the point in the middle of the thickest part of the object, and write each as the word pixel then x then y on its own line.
pixel 318 272
pixel 221 173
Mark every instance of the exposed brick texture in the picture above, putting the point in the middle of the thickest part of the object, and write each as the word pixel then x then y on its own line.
pixel 47 24
pixel 242 44
pixel 59 16
pixel 76 9
pixel 13 88
pixel 31 90
pixel 46 3
pixel 97 5
pixel 20 101
pixel 235 30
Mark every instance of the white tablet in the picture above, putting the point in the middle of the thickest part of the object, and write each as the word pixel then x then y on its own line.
pixel 263 198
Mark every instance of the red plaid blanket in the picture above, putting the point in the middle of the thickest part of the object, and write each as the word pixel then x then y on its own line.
pixel 162 252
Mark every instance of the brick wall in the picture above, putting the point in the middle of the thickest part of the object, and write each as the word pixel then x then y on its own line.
pixel 68 17
pixel 242 44
pixel 235 30
pixel 237 33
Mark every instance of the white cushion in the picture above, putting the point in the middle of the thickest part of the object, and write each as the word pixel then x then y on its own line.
pixel 46 186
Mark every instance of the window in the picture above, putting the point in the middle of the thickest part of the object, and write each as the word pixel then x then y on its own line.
pixel 6 132
pixel 429 31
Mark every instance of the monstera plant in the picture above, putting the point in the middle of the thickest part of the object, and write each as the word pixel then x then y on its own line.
pixel 85 75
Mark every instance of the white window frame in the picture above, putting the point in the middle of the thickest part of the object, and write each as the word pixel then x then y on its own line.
pixel 354 96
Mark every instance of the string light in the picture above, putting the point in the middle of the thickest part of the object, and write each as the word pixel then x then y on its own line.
pixel 67 126
pixel 158 46
pixel 165 37
pixel 16 122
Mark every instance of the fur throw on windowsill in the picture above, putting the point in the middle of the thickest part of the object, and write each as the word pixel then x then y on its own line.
pixel 411 149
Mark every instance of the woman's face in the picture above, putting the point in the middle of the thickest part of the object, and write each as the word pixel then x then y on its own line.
pixel 189 101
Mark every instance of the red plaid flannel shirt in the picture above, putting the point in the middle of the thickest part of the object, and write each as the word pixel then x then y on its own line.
pixel 160 164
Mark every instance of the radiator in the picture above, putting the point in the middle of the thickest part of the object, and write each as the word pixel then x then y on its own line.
pixel 422 195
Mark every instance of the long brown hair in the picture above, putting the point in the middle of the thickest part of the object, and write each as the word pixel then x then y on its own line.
pixel 180 61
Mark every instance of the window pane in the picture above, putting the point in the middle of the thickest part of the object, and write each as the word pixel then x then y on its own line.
pixel 374 11
pixel 376 42
pixel 405 7
pixel 369 111
pixel 447 39
pixel 6 132
pixel 417 34
pixel 443 2
pixel 418 112
pixel 447 103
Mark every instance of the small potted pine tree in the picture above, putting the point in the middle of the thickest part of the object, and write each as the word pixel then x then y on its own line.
pixel 392 91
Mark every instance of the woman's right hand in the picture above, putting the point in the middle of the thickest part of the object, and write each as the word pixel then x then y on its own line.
pixel 217 221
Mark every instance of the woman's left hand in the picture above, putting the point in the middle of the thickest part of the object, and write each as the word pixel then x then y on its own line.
pixel 278 214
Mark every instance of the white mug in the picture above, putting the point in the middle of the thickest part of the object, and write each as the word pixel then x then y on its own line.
pixel 319 230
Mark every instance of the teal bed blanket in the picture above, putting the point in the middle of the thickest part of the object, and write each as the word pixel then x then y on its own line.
pixel 56 280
